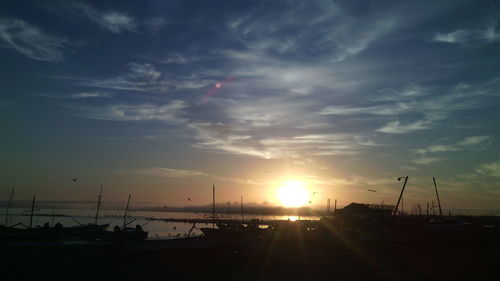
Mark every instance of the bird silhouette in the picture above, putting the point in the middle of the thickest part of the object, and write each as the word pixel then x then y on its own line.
pixel 75 179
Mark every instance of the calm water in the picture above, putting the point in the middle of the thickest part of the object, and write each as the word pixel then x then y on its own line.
pixel 157 229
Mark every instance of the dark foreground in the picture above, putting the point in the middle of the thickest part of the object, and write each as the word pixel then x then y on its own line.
pixel 259 260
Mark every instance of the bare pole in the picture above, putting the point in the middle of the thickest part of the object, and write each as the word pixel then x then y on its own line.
pixel 400 195
pixel 8 207
pixel 242 218
pixel 437 195
pixel 213 206
pixel 126 211
pixel 335 209
pixel 98 206
pixel 402 205
pixel 32 210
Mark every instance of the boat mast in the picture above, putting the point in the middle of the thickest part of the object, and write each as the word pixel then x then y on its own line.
pixel 98 205
pixel 126 211
pixel 437 195
pixel 8 207
pixel 32 210
pixel 242 217
pixel 335 209
pixel 213 206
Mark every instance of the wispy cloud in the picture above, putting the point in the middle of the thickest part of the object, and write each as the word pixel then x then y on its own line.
pixel 424 155
pixel 85 95
pixel 143 78
pixel 247 141
pixel 474 140
pixel 76 96
pixel 321 24
pixel 156 24
pixel 396 127
pixel 414 112
pixel 490 169
pixel 4 103
pixel 170 112
pixel 486 34
pixel 177 58
pixel 159 172
pixel 31 41
pixel 113 21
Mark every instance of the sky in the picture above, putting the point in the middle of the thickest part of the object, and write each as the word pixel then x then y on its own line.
pixel 162 99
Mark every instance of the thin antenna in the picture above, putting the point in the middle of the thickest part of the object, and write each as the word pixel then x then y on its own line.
pixel 213 206
pixel 8 207
pixel 242 218
pixel 437 195
pixel 126 211
pixel 98 206
pixel 32 209
pixel 400 195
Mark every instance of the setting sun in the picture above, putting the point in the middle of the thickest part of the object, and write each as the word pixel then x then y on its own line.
pixel 293 193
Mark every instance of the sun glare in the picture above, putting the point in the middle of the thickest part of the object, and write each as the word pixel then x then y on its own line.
pixel 293 193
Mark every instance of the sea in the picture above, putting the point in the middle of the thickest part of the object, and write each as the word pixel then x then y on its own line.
pixel 158 230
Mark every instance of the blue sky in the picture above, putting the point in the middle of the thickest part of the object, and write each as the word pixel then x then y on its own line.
pixel 164 98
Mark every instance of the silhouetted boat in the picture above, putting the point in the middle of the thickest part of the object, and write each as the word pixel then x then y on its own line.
pixel 129 233
pixel 233 229
pixel 45 233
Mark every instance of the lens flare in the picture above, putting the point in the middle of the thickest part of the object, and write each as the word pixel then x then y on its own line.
pixel 293 193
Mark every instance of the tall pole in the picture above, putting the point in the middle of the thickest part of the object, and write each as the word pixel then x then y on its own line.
pixel 213 206
pixel 98 206
pixel 437 195
pixel 242 218
pixel 400 195
pixel 126 211
pixel 8 207
pixel 32 210
pixel 335 209
pixel 402 206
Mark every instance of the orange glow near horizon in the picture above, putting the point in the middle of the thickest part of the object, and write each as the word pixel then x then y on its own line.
pixel 293 193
